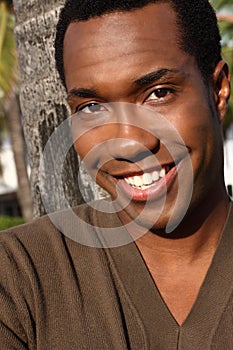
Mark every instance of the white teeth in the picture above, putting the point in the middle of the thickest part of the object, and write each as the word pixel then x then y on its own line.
pixel 155 176
pixel 138 181
pixel 130 179
pixel 143 181
pixel 162 173
pixel 147 179
pixel 127 180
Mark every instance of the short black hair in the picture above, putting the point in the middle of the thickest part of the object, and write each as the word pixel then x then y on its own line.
pixel 196 21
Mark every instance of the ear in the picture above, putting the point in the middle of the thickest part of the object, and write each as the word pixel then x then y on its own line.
pixel 221 86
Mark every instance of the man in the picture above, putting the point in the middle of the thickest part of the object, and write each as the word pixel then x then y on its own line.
pixel 124 63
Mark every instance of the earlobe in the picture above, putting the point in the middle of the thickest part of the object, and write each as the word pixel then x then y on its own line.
pixel 221 85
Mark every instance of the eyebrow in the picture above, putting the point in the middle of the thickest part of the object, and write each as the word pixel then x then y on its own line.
pixel 153 76
pixel 143 80
pixel 83 93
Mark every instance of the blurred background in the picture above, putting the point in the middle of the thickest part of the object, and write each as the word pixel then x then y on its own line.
pixel 15 190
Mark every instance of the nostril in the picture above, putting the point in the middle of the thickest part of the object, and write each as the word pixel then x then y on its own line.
pixel 137 157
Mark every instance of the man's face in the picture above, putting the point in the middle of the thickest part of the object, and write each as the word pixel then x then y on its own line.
pixel 125 64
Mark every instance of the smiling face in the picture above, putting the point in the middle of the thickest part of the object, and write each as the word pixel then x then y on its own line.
pixel 121 70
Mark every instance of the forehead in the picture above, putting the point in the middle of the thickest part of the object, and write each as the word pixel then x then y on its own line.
pixel 120 42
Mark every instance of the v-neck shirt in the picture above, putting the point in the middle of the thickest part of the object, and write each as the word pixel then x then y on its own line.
pixel 58 294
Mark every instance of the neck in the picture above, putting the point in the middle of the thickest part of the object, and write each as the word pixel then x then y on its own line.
pixel 198 235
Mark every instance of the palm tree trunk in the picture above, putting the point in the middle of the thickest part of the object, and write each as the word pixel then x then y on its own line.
pixel 12 112
pixel 43 100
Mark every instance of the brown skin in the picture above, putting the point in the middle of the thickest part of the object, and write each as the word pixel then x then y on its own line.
pixel 108 54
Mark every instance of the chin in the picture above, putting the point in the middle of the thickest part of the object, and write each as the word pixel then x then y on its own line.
pixel 147 218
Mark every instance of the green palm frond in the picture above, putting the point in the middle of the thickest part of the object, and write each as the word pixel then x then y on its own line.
pixel 3 24
pixel 8 53
pixel 219 4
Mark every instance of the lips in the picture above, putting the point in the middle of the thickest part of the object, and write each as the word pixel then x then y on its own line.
pixel 149 184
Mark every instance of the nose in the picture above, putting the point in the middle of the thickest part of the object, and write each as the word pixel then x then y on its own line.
pixel 131 138
pixel 131 143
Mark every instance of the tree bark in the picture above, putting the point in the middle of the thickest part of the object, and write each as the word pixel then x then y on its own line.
pixel 43 101
pixel 12 112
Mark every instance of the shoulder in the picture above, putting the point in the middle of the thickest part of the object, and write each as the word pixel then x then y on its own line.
pixel 41 236
pixel 39 255
pixel 79 226
pixel 30 234
pixel 44 226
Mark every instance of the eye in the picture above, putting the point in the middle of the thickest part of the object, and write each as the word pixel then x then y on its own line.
pixel 91 108
pixel 160 94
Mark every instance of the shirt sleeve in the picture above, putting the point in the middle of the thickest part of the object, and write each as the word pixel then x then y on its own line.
pixel 12 332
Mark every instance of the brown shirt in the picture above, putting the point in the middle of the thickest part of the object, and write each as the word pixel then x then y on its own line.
pixel 56 294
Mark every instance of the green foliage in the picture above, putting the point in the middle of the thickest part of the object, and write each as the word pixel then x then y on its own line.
pixel 219 4
pixel 226 29
pixel 8 221
pixel 8 52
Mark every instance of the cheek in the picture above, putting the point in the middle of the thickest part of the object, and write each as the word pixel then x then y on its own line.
pixel 200 132
pixel 83 147
pixel 91 143
pixel 85 143
pixel 90 148
pixel 194 123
